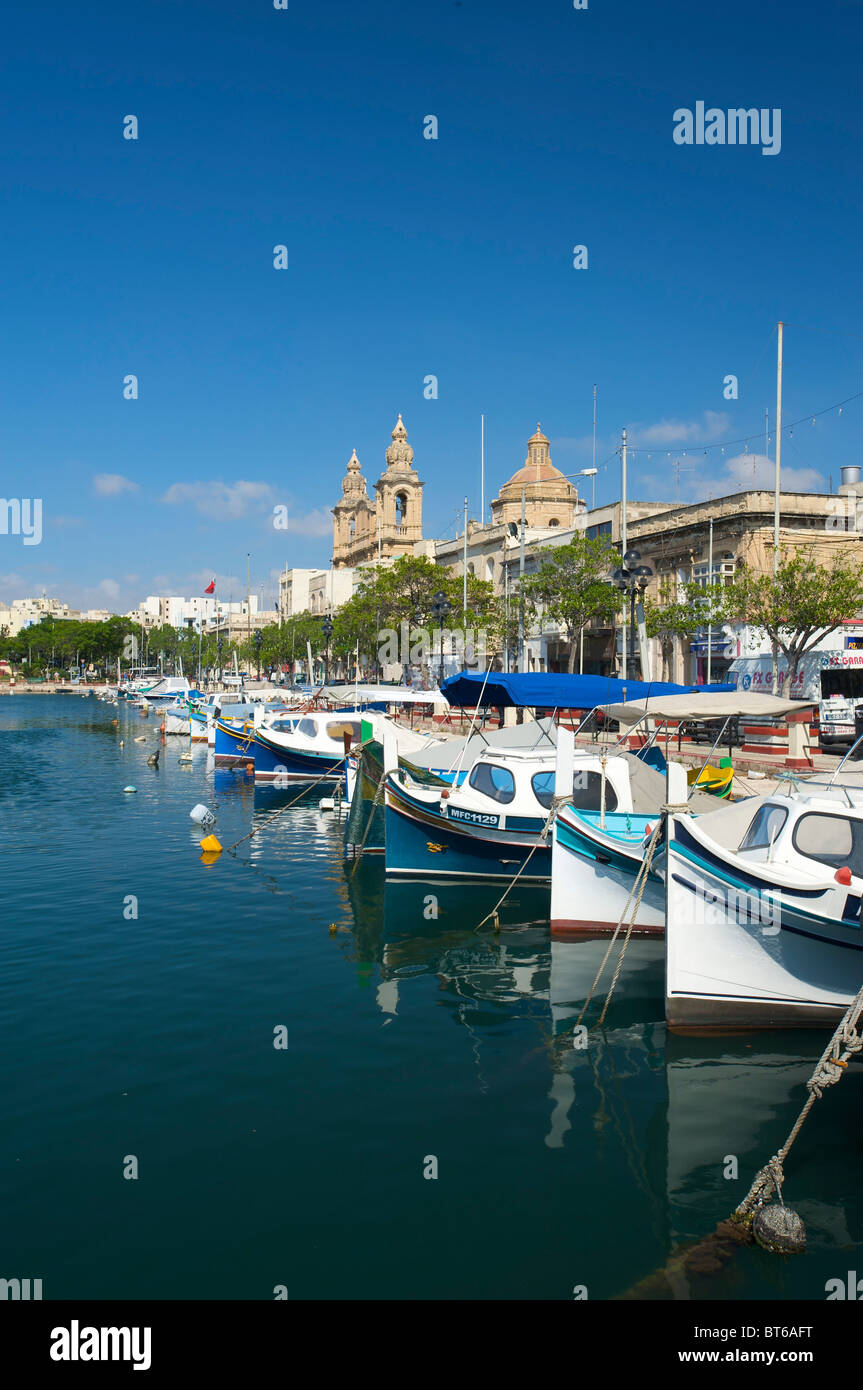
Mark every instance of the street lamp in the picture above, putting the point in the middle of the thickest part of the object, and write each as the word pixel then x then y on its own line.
pixel 632 579
pixel 440 608
pixel 590 473
pixel 327 629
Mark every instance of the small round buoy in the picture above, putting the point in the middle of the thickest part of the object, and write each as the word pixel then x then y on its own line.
pixel 130 789
pixel 121 743
pixel 779 1229
pixel 250 767
pixel 115 722
pixel 161 728
pixel 333 928
pixel 153 760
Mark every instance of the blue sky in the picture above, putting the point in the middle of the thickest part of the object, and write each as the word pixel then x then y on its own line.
pixel 407 257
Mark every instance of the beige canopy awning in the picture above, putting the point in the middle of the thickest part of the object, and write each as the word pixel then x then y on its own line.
pixel 710 705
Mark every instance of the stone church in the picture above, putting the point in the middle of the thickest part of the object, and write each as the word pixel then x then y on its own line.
pixel 550 500
pixel 389 525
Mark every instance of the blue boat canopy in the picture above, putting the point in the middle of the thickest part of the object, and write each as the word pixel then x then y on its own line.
pixel 553 690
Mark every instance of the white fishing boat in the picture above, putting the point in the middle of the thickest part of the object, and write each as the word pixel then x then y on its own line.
pixel 763 908
pixel 599 851
pixel 165 691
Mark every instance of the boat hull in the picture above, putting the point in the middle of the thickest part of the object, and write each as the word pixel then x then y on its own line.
pixel 274 763
pixel 592 877
pixel 233 745
pixel 744 952
pixel 426 844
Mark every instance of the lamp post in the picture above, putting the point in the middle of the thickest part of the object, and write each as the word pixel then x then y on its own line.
pixel 632 579
pixel 440 609
pixel 327 629
pixel 590 473
pixel 258 640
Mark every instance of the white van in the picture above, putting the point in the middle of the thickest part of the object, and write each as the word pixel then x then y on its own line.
pixel 832 678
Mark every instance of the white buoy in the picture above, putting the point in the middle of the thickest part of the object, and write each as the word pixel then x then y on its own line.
pixel 130 789
pixel 202 816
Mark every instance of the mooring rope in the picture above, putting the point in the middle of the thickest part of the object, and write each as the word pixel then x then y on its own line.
pixel 637 886
pixel 359 850
pixel 543 834
pixel 636 891
pixel 282 809
pixel 829 1069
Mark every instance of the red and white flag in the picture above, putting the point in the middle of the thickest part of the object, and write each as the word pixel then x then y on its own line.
pixel 211 587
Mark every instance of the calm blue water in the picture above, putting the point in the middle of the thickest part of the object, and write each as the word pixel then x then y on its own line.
pixel 408 1038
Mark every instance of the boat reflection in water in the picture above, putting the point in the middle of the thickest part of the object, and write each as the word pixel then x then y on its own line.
pixel 660 1116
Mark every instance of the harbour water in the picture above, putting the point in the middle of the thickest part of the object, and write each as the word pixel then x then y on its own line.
pixel 411 1037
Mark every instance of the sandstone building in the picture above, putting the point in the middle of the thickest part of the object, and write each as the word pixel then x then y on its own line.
pixel 390 525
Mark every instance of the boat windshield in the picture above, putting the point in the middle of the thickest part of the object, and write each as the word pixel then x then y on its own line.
pixel 543 788
pixel 836 841
pixel 493 781
pixel 764 827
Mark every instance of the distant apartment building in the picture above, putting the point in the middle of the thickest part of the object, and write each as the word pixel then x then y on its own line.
pixel 202 611
pixel 314 590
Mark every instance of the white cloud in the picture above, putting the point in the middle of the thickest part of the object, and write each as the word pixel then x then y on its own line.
pixel 109 588
pixel 317 523
pixel 110 484
pixel 218 500
pixel 671 432
pixel 759 471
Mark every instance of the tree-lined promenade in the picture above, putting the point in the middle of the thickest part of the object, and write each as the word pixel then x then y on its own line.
pixel 571 587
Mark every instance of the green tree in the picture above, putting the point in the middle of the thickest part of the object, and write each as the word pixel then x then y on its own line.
pixel 796 608
pixel 666 616
pixel 572 584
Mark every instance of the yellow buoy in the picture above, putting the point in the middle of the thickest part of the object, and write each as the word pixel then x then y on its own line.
pixel 210 845
pixel 333 928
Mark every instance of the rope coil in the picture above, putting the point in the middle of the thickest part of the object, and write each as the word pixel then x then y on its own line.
pixel 829 1069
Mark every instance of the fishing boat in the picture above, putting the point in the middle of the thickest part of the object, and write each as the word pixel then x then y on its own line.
pixel 490 826
pixel 763 908
pixel 165 691
pixel 301 747
pixel 597 854
pixel 495 822
pixel 717 781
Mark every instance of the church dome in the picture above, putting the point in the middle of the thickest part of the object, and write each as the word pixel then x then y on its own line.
pixel 550 498
pixel 538 467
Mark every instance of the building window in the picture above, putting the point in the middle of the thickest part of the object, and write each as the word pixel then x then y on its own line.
pixel 553 521
pixel 723 572
pixel 602 529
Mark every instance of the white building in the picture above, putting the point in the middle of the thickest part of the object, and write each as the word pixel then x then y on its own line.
pixel 202 610
pixel 314 591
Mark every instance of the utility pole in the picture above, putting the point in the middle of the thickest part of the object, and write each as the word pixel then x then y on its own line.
pixel 464 566
pixel 623 550
pixel 594 442
pixel 520 579
pixel 249 602
pixel 482 470
pixel 710 581
pixel 505 611
pixel 778 452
